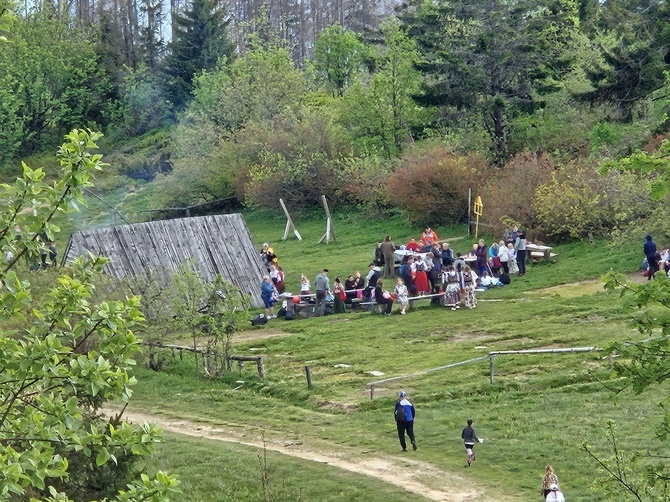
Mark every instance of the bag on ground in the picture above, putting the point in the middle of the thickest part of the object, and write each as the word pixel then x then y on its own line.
pixel 259 320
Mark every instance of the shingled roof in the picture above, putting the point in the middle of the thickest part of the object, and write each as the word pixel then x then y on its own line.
pixel 219 244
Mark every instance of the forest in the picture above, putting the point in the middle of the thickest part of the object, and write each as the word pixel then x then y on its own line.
pixel 379 106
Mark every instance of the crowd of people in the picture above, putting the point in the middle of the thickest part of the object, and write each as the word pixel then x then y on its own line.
pixel 428 266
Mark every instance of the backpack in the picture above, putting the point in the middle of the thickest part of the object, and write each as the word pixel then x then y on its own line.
pixel 290 315
pixel 259 320
pixel 401 414
pixel 504 278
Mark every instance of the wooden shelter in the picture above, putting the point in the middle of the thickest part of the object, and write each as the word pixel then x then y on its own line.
pixel 219 244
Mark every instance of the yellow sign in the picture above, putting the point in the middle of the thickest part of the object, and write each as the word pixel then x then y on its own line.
pixel 479 209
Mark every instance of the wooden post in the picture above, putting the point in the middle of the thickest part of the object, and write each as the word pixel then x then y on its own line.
pixel 469 211
pixel 261 369
pixel 329 223
pixel 289 223
pixel 491 367
pixel 308 373
pixel 241 366
pixel 372 391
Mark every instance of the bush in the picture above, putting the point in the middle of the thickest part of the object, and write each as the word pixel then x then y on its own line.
pixel 578 202
pixel 509 195
pixel 433 187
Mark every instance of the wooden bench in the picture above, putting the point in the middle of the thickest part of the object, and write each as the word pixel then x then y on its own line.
pixel 378 308
pixel 544 255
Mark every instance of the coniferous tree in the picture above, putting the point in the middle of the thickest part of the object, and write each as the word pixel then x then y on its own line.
pixel 491 56
pixel 201 40
pixel 633 40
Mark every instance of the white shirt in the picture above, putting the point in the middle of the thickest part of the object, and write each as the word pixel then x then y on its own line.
pixel 555 496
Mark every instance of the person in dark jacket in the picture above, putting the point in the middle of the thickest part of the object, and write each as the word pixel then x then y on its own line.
pixel 482 253
pixel 387 248
pixel 469 437
pixel 407 275
pixel 404 416
pixel 649 250
pixel 381 299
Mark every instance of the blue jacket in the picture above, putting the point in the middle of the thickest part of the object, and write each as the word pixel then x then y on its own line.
pixel 267 289
pixel 649 247
pixel 409 409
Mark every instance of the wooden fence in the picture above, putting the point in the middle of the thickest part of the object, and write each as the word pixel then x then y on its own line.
pixel 491 356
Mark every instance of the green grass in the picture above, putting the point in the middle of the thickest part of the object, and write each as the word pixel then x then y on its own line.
pixel 539 410
pixel 212 471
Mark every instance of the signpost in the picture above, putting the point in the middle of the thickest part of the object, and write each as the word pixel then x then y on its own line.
pixel 479 207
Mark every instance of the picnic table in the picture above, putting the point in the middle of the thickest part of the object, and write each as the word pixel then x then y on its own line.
pixel 541 252
pixel 400 254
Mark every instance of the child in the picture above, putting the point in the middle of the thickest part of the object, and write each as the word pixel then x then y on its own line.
pixel 513 267
pixel 452 287
pixel 400 292
pixel 470 438
pixel 469 285
pixel 305 294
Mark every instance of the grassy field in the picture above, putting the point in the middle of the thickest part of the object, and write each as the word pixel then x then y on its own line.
pixel 539 409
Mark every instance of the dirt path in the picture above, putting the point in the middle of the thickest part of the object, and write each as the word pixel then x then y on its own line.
pixel 404 470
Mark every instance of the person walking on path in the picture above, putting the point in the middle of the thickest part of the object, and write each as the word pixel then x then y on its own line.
pixel 387 248
pixel 520 248
pixel 650 252
pixel 548 479
pixel 555 494
pixel 322 285
pixel 469 437
pixel 404 417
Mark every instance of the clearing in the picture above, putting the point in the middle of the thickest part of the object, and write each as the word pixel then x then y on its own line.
pixel 403 470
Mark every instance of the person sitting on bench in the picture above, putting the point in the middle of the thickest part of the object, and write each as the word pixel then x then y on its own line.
pixel 383 297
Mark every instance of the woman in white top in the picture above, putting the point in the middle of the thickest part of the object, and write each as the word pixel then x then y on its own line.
pixel 503 254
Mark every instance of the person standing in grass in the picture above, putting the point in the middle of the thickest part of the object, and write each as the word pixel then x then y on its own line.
pixel 339 297
pixel 322 286
pixel 548 479
pixel 469 437
pixel 520 248
pixel 387 248
pixel 649 250
pixel 404 417
pixel 268 295
pixel 555 494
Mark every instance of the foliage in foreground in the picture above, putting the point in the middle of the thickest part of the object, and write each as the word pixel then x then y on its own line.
pixel 65 357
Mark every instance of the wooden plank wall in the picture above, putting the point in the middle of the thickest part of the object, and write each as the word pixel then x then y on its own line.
pixel 219 244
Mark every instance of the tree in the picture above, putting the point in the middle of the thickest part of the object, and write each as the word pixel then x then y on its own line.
pixel 54 442
pixel 644 476
pixel 7 18
pixel 209 311
pixel 338 58
pixel 633 41
pixel 50 81
pixel 646 364
pixel 491 56
pixel 382 113
pixel 200 39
